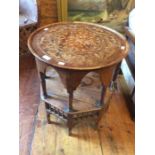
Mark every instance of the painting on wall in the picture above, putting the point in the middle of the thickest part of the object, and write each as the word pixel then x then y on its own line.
pixel 111 13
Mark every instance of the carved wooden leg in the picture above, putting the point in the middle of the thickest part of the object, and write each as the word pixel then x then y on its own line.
pixel 113 84
pixel 41 67
pixel 70 124
pixel 43 84
pixel 70 100
pixel 47 107
pixel 71 80
pixel 116 72
pixel 106 76
pixel 102 95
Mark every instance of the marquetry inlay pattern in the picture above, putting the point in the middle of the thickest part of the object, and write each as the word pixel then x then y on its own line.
pixel 75 49
pixel 79 45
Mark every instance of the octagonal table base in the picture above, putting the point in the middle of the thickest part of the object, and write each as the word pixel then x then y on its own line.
pixel 71 80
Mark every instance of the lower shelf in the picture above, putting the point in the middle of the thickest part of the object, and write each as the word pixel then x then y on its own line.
pixel 59 106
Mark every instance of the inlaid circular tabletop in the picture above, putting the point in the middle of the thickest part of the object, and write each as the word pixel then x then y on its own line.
pixel 78 45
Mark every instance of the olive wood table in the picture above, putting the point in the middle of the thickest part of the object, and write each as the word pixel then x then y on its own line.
pixel 74 49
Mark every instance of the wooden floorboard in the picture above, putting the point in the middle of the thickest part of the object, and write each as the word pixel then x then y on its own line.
pixel 53 138
pixel 117 128
pixel 115 135
pixel 29 98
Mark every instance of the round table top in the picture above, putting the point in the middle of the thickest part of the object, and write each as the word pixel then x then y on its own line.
pixel 78 45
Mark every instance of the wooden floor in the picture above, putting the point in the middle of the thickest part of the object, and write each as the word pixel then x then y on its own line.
pixel 114 137
pixel 29 99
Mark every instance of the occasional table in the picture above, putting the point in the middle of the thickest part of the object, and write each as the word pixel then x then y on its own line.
pixel 74 49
